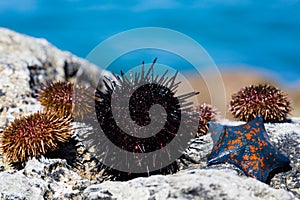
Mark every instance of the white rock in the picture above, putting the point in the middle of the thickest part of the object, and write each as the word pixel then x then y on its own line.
pixel 26 64
pixel 18 186
pixel 190 184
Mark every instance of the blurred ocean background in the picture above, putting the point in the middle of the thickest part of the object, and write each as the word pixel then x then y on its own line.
pixel 259 35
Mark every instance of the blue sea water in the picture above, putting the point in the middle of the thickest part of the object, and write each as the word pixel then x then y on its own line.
pixel 262 34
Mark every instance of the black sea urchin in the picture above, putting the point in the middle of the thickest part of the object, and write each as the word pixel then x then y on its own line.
pixel 134 152
pixel 34 135
pixel 207 113
pixel 65 99
pixel 265 100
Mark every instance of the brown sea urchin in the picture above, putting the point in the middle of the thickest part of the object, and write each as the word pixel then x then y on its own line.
pixel 207 113
pixel 34 135
pixel 265 100
pixel 57 96
pixel 66 99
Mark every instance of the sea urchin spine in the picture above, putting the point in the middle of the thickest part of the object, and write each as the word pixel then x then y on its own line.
pixel 265 100
pixel 34 135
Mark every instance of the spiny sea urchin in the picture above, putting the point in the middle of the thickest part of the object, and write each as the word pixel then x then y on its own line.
pixel 207 113
pixel 83 102
pixel 57 96
pixel 66 99
pixel 265 100
pixel 34 135
pixel 126 113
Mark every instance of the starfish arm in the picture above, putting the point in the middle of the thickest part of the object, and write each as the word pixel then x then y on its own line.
pixel 216 131
pixel 248 147
pixel 215 158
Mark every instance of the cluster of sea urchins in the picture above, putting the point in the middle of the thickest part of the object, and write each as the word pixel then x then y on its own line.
pixel 41 132
pixel 206 113
pixel 265 100
pixel 34 135
pixel 143 90
pixel 66 98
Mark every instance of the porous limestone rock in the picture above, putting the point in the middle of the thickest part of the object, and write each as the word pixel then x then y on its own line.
pixel 26 64
pixel 188 184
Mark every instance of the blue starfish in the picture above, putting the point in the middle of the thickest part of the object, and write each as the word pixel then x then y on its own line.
pixel 216 130
pixel 248 147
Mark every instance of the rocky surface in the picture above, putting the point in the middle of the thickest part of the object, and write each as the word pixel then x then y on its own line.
pixel 188 184
pixel 70 172
pixel 15 93
pixel 26 64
